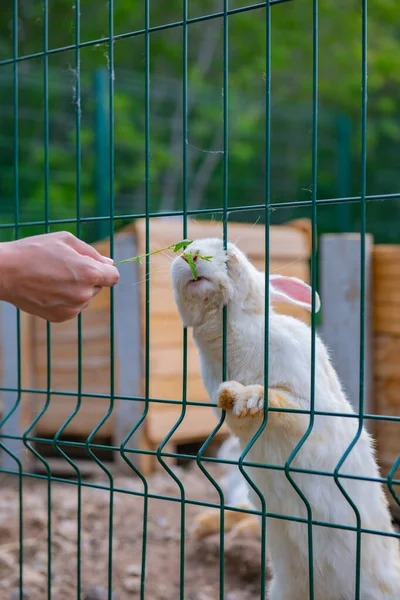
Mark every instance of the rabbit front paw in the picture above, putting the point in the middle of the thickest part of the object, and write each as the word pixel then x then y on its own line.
pixel 245 408
pixel 242 401
pixel 237 523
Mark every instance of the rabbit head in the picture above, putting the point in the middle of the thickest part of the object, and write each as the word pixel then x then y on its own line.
pixel 222 278
pixel 227 277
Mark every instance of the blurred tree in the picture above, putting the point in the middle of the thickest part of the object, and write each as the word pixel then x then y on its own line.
pixel 339 87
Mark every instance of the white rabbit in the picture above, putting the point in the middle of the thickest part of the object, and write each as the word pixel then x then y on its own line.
pixel 230 279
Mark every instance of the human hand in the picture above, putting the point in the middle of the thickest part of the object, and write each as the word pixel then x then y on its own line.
pixel 53 276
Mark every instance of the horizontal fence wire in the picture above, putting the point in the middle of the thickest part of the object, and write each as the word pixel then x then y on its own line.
pixel 249 511
pixel 145 31
pixel 209 211
pixel 113 218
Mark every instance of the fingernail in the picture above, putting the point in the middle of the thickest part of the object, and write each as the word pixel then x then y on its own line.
pixel 108 260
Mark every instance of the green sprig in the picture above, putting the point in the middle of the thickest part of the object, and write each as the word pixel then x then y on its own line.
pixel 175 248
pixel 138 259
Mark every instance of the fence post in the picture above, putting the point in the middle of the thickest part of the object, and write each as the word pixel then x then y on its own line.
pixel 19 419
pixel 344 170
pixel 340 300
pixel 128 325
pixel 102 151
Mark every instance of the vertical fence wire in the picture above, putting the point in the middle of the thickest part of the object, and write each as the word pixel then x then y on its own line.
pixel 106 470
pixel 111 233
pixel 47 230
pixel 147 306
pixel 147 263
pixel 313 305
pixel 263 425
pixel 181 417
pixel 70 418
pixel 363 216
pixel 225 241
pixel 18 315
pixel 48 327
pixel 225 215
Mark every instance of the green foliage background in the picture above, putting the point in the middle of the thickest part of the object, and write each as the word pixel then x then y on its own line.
pixel 292 83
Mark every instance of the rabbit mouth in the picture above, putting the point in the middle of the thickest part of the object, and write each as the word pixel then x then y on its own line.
pixel 198 281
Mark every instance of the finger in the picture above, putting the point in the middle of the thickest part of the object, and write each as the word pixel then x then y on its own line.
pixel 81 308
pixel 96 290
pixel 110 276
pixel 86 250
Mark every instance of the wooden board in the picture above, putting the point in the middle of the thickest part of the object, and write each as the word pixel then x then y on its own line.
pixel 387 357
pixel 386 295
pixel 64 371
pixel 387 318
pixel 196 425
pixel 387 394
pixel 385 468
pixel 386 290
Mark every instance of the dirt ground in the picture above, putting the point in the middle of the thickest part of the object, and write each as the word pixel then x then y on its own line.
pixel 201 564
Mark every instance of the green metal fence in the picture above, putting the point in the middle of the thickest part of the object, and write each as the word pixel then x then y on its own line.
pixel 108 218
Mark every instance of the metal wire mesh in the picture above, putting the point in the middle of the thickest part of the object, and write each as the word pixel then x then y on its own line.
pixel 265 9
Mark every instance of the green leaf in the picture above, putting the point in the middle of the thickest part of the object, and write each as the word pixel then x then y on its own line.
pixel 181 245
pixel 191 264
pixel 133 259
pixel 207 258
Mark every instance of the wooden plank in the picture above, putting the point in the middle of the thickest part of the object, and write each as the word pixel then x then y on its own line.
pixel 386 284
pixel 296 268
pixel 61 468
pixel 385 467
pixel 166 362
pixel 340 300
pixel 94 323
pixel 387 357
pixel 64 376
pixel 197 425
pixel 166 332
pixel 61 407
pixel 170 388
pixel 387 395
pixel 387 270
pixel 386 296
pixel 386 318
pixel 383 252
pixel 385 324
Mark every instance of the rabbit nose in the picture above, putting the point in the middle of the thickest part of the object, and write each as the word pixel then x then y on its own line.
pixel 194 256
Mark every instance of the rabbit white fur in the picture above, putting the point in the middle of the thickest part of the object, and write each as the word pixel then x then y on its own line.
pixel 230 279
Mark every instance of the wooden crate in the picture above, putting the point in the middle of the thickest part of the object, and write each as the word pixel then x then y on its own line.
pixel 289 254
pixel 386 295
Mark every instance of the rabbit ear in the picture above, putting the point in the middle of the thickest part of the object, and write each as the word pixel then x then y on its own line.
pixel 292 290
